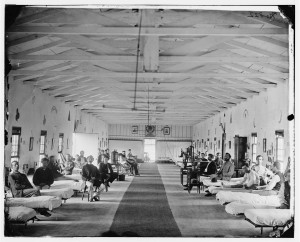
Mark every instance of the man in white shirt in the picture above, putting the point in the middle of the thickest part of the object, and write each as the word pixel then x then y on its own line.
pixel 273 187
pixel 263 172
pixel 250 179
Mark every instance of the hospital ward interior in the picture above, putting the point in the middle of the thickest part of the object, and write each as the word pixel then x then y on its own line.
pixel 149 121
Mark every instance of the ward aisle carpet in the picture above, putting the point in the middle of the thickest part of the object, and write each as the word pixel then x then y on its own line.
pixel 144 210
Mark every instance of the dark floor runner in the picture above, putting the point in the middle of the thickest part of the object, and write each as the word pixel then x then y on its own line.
pixel 144 210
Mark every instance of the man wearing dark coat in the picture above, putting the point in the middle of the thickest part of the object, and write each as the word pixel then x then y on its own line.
pixel 43 177
pixel 19 183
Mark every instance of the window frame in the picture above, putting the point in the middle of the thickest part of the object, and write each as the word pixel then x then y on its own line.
pixel 15 143
pixel 60 143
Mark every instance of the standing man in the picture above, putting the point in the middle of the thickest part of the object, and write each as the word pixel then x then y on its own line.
pixel 19 183
pixel 43 177
pixel 227 170
pixel 132 162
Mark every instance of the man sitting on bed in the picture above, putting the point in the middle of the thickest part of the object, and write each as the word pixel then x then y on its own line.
pixel 19 183
pixel 263 172
pixel 43 177
pixel 211 167
pixel 249 181
pixel 273 187
pixel 68 165
pixel 227 170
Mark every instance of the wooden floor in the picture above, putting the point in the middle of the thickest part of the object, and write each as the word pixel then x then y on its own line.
pixel 195 214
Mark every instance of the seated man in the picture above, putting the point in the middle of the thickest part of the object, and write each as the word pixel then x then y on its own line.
pixel 211 167
pixel 122 161
pixel 81 160
pixel 219 161
pixel 203 157
pixel 69 165
pixel 273 187
pixel 106 172
pixel 227 170
pixel 100 157
pixel 91 175
pixel 193 176
pixel 52 165
pixel 263 172
pixel 250 181
pixel 132 162
pixel 19 183
pixel 43 177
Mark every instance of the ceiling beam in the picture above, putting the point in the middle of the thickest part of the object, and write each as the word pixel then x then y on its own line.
pixel 147 31
pixel 162 59
pixel 148 74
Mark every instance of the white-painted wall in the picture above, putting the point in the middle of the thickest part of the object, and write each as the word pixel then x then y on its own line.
pixel 87 143
pixel 179 137
pixel 170 149
pixel 39 111
pixel 262 114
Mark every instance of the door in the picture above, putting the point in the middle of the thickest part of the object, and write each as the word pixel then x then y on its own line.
pixel 240 149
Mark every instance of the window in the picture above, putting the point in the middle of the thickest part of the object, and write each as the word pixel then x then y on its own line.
pixel 15 143
pixel 43 144
pixel 254 146
pixel 279 149
pixel 60 142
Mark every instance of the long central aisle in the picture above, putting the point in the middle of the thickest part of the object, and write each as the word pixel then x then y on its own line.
pixel 144 209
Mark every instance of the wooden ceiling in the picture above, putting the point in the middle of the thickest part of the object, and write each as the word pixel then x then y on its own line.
pixel 190 64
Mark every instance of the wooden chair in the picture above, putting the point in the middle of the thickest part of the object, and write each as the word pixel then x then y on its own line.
pixel 88 192
pixel 191 182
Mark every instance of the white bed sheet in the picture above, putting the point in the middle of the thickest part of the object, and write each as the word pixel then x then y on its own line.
pixel 268 217
pixel 20 214
pixel 233 181
pixel 48 202
pixel 236 208
pixel 247 198
pixel 64 193
pixel 78 186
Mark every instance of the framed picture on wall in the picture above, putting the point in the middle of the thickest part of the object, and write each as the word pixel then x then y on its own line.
pixel 134 129
pixel 166 130
pixel 31 143
pixel 265 145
